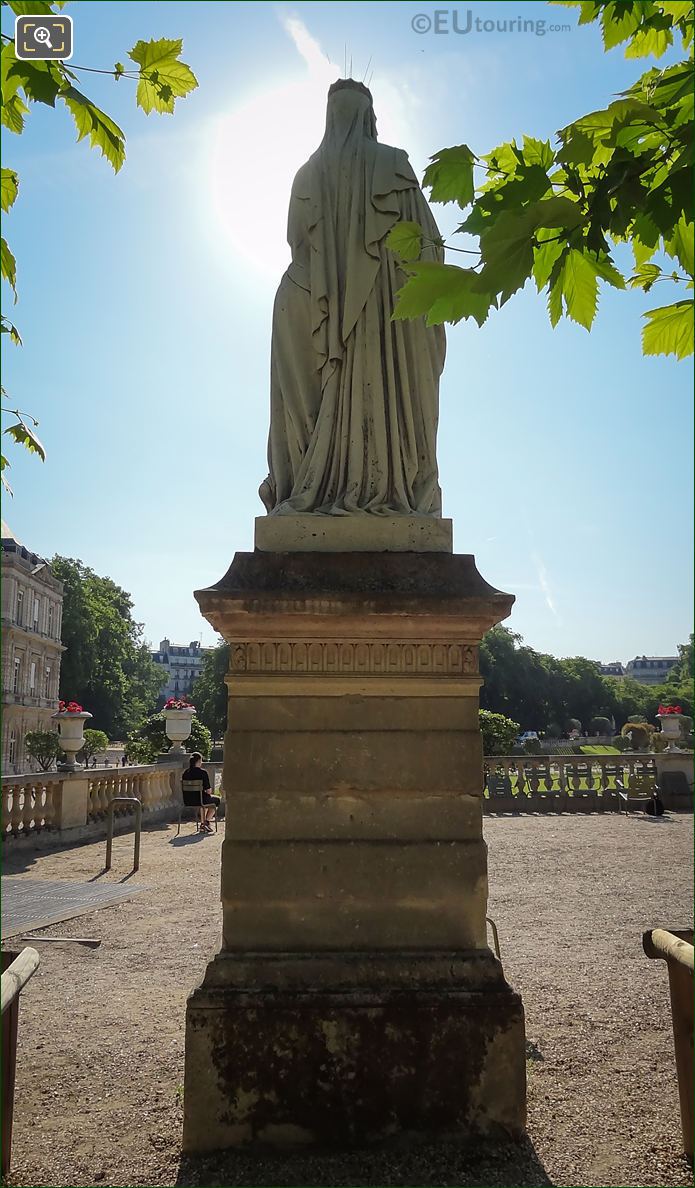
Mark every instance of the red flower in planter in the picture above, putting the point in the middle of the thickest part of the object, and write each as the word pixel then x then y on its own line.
pixel 178 703
pixel 670 709
pixel 70 707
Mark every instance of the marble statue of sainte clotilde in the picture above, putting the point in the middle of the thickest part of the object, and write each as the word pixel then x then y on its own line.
pixel 354 395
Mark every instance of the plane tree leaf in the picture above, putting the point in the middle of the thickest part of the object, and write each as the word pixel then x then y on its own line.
pixel 669 330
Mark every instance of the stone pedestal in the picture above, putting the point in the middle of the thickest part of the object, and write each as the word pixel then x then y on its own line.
pixel 355 997
pixel 71 806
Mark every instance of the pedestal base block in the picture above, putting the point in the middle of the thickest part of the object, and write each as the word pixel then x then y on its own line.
pixel 335 1067
pixel 355 998
pixel 354 533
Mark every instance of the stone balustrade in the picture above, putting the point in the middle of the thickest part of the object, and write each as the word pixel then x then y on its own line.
pixel 68 806
pixel 575 783
pixel 152 786
pixel 57 802
pixel 29 803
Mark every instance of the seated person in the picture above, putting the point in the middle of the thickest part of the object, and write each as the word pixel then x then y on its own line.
pixel 193 798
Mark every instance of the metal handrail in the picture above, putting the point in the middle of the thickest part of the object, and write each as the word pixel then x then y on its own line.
pixel 138 825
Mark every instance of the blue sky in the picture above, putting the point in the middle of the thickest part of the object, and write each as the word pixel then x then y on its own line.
pixel 145 305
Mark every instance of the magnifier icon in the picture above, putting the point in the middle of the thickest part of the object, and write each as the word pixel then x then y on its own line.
pixel 43 36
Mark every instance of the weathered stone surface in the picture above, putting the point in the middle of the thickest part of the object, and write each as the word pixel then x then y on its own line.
pixel 355 996
pixel 295 1068
pixel 342 815
pixel 362 533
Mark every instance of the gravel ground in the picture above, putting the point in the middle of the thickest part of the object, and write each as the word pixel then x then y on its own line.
pixel 100 1067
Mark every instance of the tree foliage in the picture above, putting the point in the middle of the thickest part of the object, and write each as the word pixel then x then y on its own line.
pixel 150 740
pixel 94 742
pixel 107 666
pixel 210 692
pixel 540 691
pixel 161 79
pixel 553 212
pixel 43 746
pixel 498 733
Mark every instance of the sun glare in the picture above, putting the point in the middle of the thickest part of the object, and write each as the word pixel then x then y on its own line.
pixel 259 146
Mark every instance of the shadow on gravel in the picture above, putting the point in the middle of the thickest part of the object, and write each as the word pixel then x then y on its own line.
pixel 440 1165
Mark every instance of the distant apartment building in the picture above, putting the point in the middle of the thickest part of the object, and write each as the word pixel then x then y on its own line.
pixel 614 669
pixel 181 665
pixel 650 670
pixel 32 608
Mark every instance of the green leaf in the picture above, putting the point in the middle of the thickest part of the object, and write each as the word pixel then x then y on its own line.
pixel 604 267
pixel 23 435
pixel 163 79
pixel 10 81
pixel 644 277
pixel 644 238
pixel 443 293
pixel 9 266
pixel 405 239
pixel 649 40
pixel 677 10
pixel 118 70
pixel 30 7
pixel 544 259
pixel 555 300
pixel 13 113
pixel 40 81
pixel 681 245
pixel 669 330
pixel 100 128
pixel 9 188
pixel 7 327
pixel 579 288
pixel 538 152
pixel 450 175
pixel 618 23
pixel 507 249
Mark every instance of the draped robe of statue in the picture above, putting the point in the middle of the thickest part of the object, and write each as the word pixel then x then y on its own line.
pixel 354 395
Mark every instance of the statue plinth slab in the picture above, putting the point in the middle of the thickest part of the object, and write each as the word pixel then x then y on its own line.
pixel 355 996
pixel 355 533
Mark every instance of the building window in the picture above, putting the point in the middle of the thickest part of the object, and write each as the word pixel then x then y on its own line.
pixel 19 611
pixel 17 674
pixel 12 748
pixel 47 682
pixel 32 678
pixel 37 614
pixel 49 624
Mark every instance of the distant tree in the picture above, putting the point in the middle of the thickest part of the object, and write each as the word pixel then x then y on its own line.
pixel 601 725
pixel 210 692
pixel 43 746
pixel 95 741
pixel 149 740
pixel 139 750
pixel 498 733
pixel 107 666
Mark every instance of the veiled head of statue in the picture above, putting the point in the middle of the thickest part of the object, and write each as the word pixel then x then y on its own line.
pixel 350 109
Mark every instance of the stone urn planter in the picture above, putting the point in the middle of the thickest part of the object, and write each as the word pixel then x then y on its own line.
pixel 178 724
pixel 71 732
pixel 671 729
